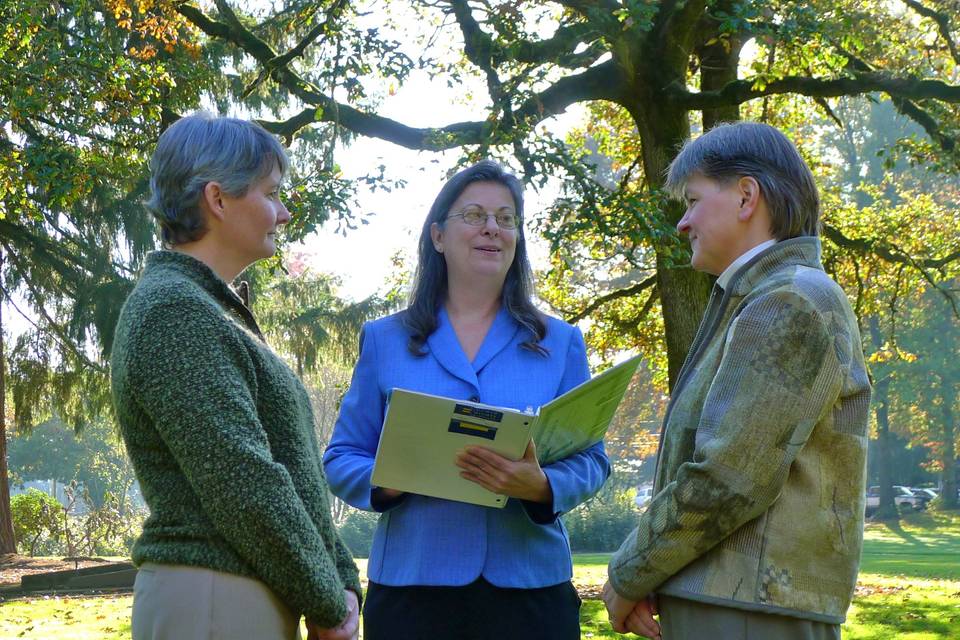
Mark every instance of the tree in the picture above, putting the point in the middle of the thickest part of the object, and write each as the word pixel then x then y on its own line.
pixel 86 87
pixel 934 387
pixel 646 58
pixel 82 100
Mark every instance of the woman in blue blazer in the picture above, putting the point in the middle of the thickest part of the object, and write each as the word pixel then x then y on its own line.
pixel 443 569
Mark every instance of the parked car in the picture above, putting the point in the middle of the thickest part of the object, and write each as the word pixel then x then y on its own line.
pixel 903 497
pixel 644 495
pixel 925 494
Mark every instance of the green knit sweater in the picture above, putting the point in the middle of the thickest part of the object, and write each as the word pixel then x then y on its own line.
pixel 759 489
pixel 221 435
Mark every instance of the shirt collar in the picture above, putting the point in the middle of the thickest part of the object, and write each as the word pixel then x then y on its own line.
pixel 740 261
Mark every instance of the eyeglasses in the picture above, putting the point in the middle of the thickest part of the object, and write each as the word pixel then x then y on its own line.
pixel 477 217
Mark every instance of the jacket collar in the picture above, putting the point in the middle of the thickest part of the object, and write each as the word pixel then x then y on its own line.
pixel 803 251
pixel 204 277
pixel 446 348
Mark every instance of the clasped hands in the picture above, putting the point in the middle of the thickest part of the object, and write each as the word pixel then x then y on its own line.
pixel 630 615
pixel 348 629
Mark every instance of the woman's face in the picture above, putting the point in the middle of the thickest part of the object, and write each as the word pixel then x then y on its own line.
pixel 252 220
pixel 477 252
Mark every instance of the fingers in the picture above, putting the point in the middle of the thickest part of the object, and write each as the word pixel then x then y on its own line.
pixel 482 456
pixel 642 625
pixel 483 467
pixel 348 629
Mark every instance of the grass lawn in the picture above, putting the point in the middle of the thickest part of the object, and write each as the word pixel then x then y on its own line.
pixel 909 589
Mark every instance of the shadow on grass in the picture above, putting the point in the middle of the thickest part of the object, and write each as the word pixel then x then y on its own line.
pixel 897 528
pixel 594 623
pixel 885 618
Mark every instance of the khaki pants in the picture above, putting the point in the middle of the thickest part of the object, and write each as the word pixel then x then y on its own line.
pixel 174 602
pixel 688 620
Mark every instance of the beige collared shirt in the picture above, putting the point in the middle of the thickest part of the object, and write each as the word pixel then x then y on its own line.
pixel 740 261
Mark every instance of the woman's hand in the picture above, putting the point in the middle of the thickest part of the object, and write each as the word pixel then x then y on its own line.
pixel 523 478
pixel 631 616
pixel 349 629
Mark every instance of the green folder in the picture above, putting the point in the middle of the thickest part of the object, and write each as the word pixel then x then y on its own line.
pixel 423 433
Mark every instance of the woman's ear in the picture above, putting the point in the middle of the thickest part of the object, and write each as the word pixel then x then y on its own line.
pixel 436 235
pixel 749 197
pixel 212 199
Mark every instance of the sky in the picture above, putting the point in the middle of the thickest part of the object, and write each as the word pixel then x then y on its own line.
pixel 362 259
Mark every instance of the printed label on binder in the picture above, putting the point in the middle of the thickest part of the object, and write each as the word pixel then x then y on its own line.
pixel 472 429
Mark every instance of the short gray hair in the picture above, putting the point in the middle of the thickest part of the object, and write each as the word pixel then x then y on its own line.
pixel 734 150
pixel 199 149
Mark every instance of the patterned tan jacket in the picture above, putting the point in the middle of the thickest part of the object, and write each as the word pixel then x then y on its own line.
pixel 759 491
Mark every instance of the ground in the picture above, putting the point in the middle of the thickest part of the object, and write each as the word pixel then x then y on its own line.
pixel 909 589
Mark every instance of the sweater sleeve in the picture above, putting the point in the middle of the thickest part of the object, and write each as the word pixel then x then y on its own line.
pixel 776 378
pixel 578 477
pixel 348 460
pixel 195 379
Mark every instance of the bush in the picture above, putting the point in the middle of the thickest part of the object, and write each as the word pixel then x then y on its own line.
pixel 598 526
pixel 36 521
pixel 41 524
pixel 357 531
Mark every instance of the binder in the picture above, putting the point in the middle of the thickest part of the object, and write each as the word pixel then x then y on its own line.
pixel 423 433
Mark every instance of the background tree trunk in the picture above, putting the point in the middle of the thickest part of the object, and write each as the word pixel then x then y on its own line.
pixel 7 542
pixel 881 402
pixel 949 489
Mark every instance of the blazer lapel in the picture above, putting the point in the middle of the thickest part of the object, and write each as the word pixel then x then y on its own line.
pixel 501 333
pixel 446 349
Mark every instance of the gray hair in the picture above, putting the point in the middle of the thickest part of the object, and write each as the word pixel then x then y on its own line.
pixel 199 149
pixel 735 150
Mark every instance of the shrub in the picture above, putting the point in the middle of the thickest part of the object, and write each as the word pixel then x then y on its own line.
pixel 357 531
pixel 42 524
pixel 601 525
pixel 36 520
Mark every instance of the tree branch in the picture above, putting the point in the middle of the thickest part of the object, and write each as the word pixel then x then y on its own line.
pixel 585 7
pixel 864 247
pixel 610 297
pixel 52 326
pixel 943 24
pixel 332 15
pixel 906 107
pixel 596 83
pixel 288 128
pixel 741 91
pixel 479 48
pixel 558 49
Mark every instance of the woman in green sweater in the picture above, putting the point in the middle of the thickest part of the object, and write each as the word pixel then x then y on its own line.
pixel 239 542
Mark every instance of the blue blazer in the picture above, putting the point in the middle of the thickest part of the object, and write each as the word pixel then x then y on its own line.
pixel 429 541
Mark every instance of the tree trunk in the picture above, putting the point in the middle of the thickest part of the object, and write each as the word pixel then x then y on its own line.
pixel 7 542
pixel 949 456
pixel 683 292
pixel 881 401
pixel 718 67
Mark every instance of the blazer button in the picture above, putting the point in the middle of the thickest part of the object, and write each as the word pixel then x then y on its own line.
pixel 474 398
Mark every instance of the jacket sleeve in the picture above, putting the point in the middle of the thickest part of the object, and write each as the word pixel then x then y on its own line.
pixel 778 375
pixel 199 387
pixel 578 477
pixel 348 460
pixel 347 568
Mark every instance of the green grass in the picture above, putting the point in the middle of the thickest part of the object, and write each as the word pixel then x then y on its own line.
pixel 909 589
pixel 74 618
